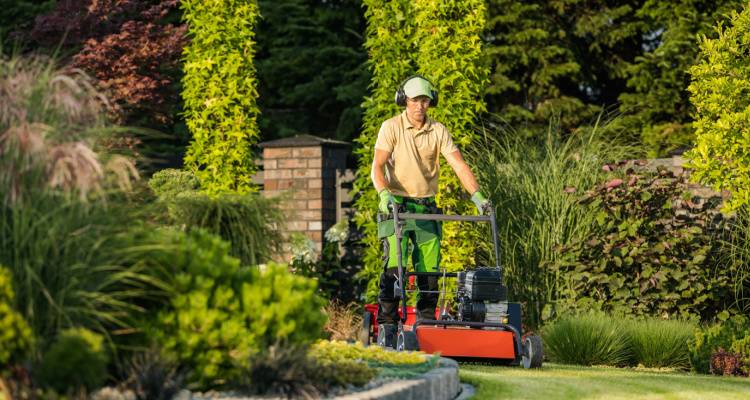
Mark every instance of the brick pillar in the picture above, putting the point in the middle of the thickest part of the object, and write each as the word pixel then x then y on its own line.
pixel 304 167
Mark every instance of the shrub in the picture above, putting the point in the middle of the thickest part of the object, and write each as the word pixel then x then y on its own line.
pixel 720 81
pixel 533 187
pixel 15 335
pixel 77 358
pixel 652 250
pixel 283 370
pixel 220 93
pixel 661 343
pixel 729 334
pixel 588 339
pixel 221 313
pixel 249 222
pixel 339 362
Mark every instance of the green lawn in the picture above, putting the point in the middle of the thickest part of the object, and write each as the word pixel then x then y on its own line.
pixel 573 382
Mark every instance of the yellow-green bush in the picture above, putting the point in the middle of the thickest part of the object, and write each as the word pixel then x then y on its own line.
pixel 15 334
pixel 221 313
pixel 77 358
pixel 720 92
pixel 220 93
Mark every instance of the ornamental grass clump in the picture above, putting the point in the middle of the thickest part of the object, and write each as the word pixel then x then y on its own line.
pixel 63 215
pixel 249 222
pixel 660 343
pixel 588 339
pixel 534 186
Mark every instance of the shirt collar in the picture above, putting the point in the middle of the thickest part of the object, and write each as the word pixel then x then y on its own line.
pixel 407 124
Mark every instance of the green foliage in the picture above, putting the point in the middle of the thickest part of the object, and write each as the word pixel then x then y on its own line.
pixel 736 256
pixel 220 93
pixel 588 339
pixel 312 75
pixel 541 55
pixel 77 358
pixel 19 15
pixel 15 335
pixel 599 339
pixel 341 359
pixel 720 81
pixel 661 343
pixel 651 252
pixel 656 102
pixel 730 334
pixel 529 182
pixel 399 45
pixel 168 183
pixel 220 313
pixel 248 221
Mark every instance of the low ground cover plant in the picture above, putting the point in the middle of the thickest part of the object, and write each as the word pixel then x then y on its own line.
pixel 730 340
pixel 600 339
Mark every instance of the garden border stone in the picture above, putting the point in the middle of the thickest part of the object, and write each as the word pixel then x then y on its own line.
pixel 440 383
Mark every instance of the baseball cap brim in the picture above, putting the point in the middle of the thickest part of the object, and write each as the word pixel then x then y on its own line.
pixel 416 87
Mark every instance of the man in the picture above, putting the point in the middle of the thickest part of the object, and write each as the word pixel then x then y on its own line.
pixel 405 169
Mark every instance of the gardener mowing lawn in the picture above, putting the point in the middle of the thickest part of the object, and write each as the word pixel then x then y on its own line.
pixel 574 382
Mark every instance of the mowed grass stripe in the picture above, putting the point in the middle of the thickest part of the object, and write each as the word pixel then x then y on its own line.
pixel 572 382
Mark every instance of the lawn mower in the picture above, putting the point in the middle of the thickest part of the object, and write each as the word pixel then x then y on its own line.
pixel 485 327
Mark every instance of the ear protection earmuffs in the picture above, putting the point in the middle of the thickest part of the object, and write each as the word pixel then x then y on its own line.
pixel 401 96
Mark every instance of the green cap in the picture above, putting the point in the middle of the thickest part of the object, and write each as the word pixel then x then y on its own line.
pixel 418 86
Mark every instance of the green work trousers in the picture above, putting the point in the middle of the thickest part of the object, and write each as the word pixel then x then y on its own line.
pixel 422 240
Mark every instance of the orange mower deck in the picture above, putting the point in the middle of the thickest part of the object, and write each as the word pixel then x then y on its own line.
pixel 466 342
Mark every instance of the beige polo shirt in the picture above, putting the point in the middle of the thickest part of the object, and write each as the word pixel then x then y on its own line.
pixel 414 165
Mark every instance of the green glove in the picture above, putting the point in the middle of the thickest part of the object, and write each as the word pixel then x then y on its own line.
pixel 385 199
pixel 480 201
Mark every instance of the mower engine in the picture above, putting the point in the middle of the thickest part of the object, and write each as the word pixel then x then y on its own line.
pixel 481 296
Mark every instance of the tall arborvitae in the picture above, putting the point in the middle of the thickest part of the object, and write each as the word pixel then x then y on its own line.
pixel 440 39
pixel 220 93
pixel 390 46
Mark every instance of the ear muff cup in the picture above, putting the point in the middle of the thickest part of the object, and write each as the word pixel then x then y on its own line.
pixel 400 97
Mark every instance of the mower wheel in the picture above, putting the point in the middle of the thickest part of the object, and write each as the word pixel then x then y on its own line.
pixel 366 330
pixel 532 352
pixel 407 341
pixel 387 335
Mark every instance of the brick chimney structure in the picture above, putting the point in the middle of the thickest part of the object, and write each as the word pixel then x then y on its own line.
pixel 305 168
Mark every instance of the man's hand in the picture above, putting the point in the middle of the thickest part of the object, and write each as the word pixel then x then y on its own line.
pixel 481 202
pixel 385 199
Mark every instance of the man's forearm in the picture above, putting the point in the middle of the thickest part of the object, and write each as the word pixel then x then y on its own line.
pixel 378 178
pixel 467 178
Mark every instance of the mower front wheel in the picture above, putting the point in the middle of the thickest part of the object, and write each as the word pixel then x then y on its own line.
pixel 407 341
pixel 532 352
pixel 387 335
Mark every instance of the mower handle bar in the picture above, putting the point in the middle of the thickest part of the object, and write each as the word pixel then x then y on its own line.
pixel 399 216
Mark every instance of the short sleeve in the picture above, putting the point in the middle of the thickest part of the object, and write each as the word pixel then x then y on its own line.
pixel 386 138
pixel 446 142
